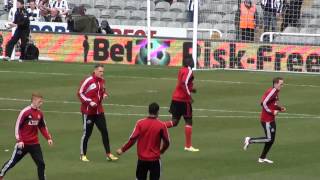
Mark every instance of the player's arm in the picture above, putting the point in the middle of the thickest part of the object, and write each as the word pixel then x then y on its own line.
pixel 82 95
pixel 132 140
pixel 19 122
pixel 105 92
pixel 185 80
pixel 266 101
pixel 280 108
pixel 165 139
pixel 44 131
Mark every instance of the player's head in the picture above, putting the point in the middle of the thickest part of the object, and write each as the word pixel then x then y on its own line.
pixel 36 99
pixel 278 82
pixel 154 109
pixel 98 70
pixel 20 3
pixel 188 62
pixel 86 37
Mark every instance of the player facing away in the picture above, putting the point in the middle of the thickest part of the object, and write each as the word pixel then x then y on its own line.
pixel 91 93
pixel 153 139
pixel 29 121
pixel 182 100
pixel 270 109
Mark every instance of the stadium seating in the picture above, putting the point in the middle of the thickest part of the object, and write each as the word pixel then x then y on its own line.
pixel 218 14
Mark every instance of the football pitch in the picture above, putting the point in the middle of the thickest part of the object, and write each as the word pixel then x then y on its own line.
pixel 226 109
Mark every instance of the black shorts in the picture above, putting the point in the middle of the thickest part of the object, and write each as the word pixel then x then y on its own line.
pixel 153 167
pixel 178 109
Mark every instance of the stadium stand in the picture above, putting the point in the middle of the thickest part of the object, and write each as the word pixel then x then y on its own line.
pixel 213 14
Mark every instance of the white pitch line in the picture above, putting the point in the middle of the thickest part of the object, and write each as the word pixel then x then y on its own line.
pixel 163 107
pixel 159 78
pixel 143 115
pixel 41 73
pixel 112 114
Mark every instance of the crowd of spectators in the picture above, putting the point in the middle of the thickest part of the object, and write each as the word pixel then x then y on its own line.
pixel 42 10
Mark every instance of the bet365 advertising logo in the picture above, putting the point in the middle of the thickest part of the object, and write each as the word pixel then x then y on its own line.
pixel 104 50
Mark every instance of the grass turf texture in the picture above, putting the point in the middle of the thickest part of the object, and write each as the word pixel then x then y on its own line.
pixel 226 109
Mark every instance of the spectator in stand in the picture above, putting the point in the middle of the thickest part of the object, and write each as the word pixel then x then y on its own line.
pixel 33 11
pixel 44 10
pixel 55 15
pixel 11 14
pixel 7 5
pixel 291 13
pixel 190 9
pixel 62 6
pixel 248 20
pixel 271 10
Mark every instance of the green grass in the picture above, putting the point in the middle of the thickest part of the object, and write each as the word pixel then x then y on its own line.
pixel 228 99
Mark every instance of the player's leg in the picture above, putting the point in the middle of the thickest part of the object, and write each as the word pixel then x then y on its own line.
pixel 12 42
pixel 176 112
pixel 142 170
pixel 271 133
pixel 252 140
pixel 155 170
pixel 87 121
pixel 187 115
pixel 17 155
pixel 36 154
pixel 24 39
pixel 102 126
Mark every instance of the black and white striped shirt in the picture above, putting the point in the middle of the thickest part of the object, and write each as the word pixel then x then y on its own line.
pixel 272 5
pixel 34 15
pixel 191 4
pixel 61 6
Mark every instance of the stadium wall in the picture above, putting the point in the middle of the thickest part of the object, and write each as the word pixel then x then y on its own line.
pixel 170 51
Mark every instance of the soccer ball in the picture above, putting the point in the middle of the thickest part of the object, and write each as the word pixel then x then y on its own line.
pixel 160 57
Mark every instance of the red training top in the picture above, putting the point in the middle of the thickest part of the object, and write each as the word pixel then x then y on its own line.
pixel 28 122
pixel 269 104
pixel 184 86
pixel 149 133
pixel 92 88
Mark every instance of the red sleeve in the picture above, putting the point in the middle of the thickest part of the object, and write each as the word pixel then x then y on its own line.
pixel 269 96
pixel 83 88
pixel 185 80
pixel 165 139
pixel 19 122
pixel 133 138
pixel 43 129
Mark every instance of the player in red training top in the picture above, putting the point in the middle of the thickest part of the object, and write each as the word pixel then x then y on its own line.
pixel 29 121
pixel 153 139
pixel 91 93
pixel 270 109
pixel 182 100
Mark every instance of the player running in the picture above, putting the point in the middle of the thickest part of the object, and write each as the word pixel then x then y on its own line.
pixel 91 93
pixel 153 139
pixel 270 109
pixel 182 100
pixel 29 121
